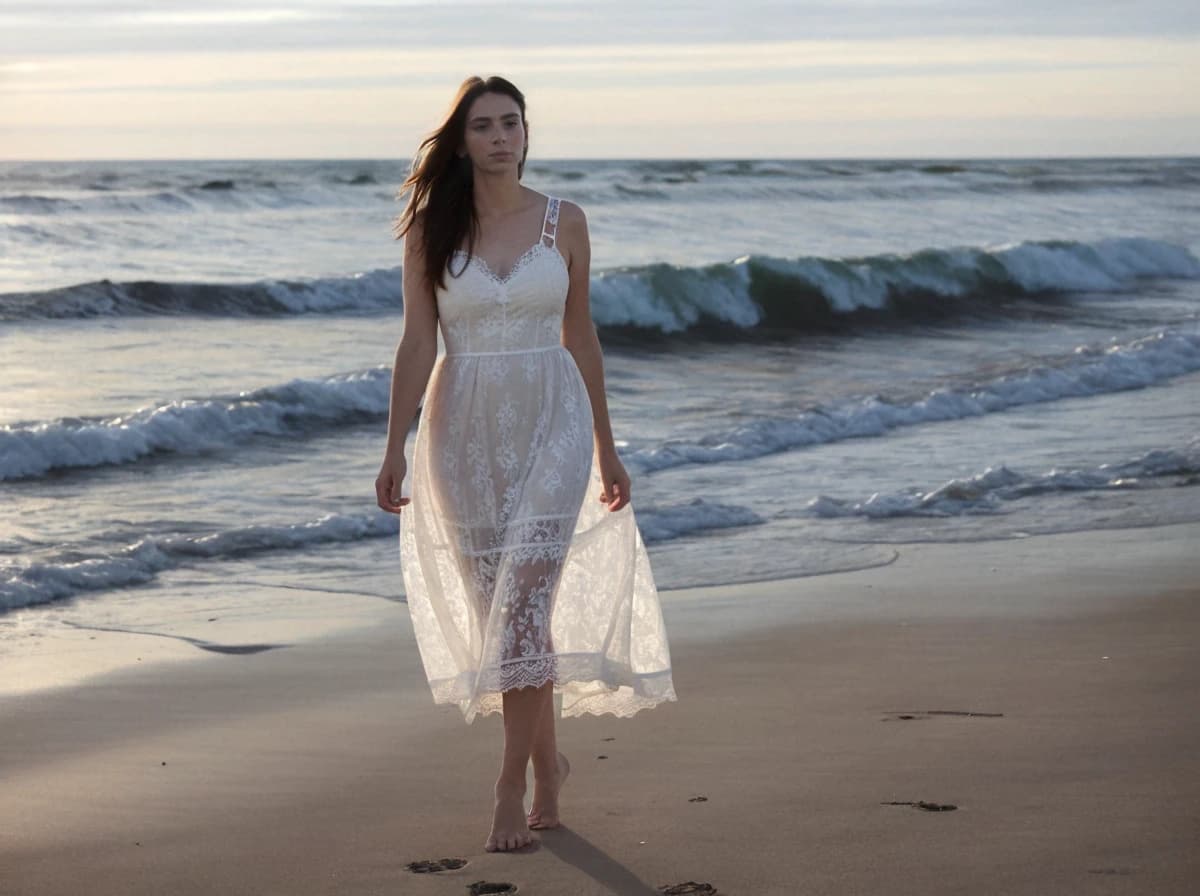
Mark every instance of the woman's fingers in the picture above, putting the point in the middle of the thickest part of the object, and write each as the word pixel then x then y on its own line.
pixel 387 494
pixel 395 507
pixel 617 495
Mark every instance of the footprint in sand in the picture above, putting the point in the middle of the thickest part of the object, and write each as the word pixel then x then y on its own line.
pixel 928 713
pixel 482 887
pixel 426 866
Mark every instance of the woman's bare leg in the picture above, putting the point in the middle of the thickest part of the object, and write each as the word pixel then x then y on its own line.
pixel 528 712
pixel 545 743
pixel 510 828
pixel 548 770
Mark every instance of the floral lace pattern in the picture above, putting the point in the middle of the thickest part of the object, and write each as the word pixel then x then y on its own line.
pixel 516 574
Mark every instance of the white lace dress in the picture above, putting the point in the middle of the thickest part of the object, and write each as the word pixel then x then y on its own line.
pixel 516 573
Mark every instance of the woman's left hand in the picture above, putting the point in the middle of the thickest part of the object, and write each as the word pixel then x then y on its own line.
pixel 615 481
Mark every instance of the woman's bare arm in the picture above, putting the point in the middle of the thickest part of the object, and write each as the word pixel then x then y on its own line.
pixel 410 371
pixel 418 344
pixel 579 337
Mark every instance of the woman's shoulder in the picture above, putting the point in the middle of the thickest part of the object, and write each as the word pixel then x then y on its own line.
pixel 570 214
pixel 416 231
pixel 564 205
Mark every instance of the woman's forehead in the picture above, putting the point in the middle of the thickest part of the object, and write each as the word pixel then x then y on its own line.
pixel 493 105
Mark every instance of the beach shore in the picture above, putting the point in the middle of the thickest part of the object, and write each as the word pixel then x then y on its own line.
pixel 1046 688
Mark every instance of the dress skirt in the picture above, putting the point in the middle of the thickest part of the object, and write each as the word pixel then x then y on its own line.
pixel 515 572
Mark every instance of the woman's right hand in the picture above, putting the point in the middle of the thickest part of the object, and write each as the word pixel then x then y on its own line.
pixel 388 482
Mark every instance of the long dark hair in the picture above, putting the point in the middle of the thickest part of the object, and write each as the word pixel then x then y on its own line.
pixel 442 182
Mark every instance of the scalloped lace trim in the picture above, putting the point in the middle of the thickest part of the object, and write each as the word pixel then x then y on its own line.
pixel 587 684
pixel 486 270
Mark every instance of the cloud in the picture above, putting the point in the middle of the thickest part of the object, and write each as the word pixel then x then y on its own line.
pixel 52 27
pixel 776 78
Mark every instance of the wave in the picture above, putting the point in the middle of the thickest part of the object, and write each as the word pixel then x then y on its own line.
pixel 905 178
pixel 1087 371
pixel 141 203
pixel 987 492
pixel 372 291
pixel 675 521
pixel 142 561
pixel 896 180
pixel 751 295
pixel 759 293
pixel 302 406
pixel 194 426
pixel 190 194
pixel 309 181
pixel 35 204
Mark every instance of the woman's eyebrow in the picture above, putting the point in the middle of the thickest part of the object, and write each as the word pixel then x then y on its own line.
pixel 487 118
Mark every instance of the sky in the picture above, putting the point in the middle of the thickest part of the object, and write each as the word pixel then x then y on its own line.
pixel 175 79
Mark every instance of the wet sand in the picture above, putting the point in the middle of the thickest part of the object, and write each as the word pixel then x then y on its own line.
pixel 1046 689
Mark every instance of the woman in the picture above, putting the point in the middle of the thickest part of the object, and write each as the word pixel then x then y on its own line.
pixel 518 588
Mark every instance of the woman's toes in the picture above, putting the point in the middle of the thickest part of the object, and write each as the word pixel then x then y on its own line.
pixel 504 844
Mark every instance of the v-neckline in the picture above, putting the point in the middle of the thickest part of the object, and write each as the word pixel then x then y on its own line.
pixel 516 265
pixel 521 259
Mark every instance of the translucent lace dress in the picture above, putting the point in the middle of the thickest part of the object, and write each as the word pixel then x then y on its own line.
pixel 516 573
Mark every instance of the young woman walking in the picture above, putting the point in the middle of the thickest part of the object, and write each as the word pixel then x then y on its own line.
pixel 518 587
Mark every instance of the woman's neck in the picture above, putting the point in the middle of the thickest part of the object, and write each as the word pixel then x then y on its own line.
pixel 498 197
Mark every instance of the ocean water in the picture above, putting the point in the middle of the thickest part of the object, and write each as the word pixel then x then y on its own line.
pixel 807 362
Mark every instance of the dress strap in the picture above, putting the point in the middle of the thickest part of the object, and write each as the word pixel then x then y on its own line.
pixel 550 221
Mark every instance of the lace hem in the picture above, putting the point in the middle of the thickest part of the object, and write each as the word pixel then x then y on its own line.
pixel 588 683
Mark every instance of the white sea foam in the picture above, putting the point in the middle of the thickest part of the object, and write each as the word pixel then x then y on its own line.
pixel 1089 371
pixel 665 522
pixel 140 562
pixel 749 292
pixel 193 426
pixel 990 490
pixel 196 426
pixel 672 299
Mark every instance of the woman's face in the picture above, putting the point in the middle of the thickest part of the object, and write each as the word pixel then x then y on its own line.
pixel 494 126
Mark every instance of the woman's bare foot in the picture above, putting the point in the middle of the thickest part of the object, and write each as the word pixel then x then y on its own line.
pixel 544 813
pixel 509 827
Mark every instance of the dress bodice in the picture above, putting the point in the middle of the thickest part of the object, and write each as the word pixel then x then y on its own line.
pixel 482 313
pixel 501 547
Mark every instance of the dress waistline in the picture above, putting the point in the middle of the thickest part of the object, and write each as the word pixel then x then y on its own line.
pixel 515 351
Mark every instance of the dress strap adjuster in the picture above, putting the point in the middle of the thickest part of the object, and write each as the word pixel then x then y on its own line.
pixel 550 220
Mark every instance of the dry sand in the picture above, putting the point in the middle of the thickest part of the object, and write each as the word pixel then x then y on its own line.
pixel 1046 688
